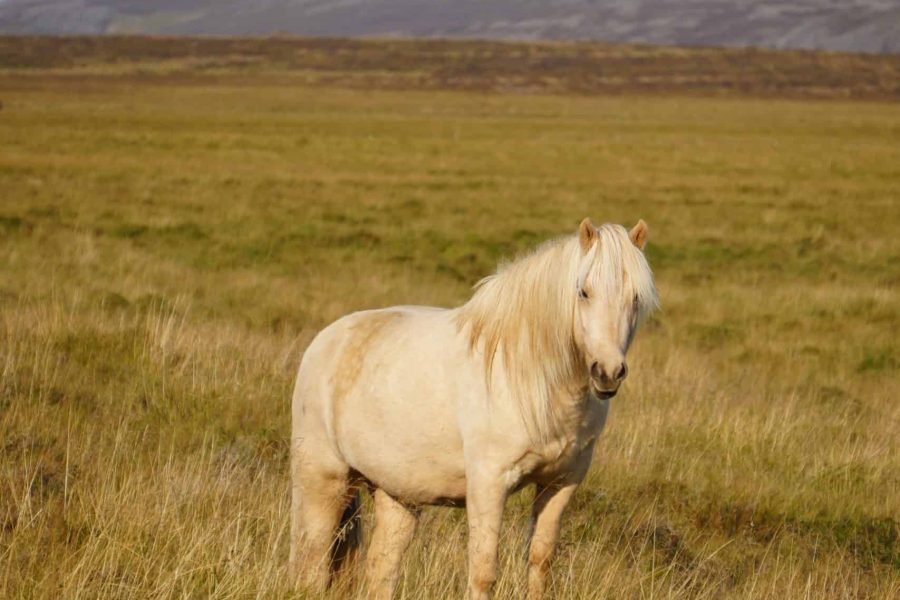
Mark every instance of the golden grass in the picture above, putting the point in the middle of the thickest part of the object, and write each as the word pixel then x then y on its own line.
pixel 168 250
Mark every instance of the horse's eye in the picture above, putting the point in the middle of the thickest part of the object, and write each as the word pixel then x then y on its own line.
pixel 582 294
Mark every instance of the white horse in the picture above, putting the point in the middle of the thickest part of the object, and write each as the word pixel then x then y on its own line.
pixel 465 406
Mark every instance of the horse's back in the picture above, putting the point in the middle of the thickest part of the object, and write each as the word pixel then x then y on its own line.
pixel 383 388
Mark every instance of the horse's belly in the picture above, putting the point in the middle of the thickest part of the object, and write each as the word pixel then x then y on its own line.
pixel 398 424
pixel 432 484
pixel 413 460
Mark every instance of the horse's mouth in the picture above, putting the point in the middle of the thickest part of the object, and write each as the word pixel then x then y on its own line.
pixel 605 394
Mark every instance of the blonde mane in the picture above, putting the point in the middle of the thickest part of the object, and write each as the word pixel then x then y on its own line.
pixel 525 314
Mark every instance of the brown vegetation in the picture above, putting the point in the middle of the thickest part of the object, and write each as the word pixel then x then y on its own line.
pixel 579 68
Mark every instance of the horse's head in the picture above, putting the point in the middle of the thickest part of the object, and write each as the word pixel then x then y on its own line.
pixel 615 291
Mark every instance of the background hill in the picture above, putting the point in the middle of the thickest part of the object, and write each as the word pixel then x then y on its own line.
pixel 847 25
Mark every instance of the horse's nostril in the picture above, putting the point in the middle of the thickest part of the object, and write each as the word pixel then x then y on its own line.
pixel 621 372
pixel 595 369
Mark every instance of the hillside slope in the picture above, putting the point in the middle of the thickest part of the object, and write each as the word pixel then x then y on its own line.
pixel 855 25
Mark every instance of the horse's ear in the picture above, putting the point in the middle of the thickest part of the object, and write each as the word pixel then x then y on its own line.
pixel 638 234
pixel 587 234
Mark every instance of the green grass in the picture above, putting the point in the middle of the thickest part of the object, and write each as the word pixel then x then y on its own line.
pixel 170 247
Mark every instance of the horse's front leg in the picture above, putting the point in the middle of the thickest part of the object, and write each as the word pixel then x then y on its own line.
pixel 485 498
pixel 549 503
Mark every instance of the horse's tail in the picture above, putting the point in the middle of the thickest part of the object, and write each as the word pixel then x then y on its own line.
pixel 349 535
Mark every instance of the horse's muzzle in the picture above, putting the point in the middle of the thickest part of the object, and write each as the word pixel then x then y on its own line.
pixel 603 384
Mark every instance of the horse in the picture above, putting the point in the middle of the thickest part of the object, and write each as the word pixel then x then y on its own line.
pixel 463 407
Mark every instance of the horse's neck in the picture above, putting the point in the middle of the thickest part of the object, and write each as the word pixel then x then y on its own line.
pixel 565 413
pixel 570 403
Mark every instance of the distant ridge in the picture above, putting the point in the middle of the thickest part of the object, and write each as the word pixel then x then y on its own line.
pixel 871 26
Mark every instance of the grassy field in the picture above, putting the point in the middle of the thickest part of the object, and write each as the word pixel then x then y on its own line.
pixel 170 244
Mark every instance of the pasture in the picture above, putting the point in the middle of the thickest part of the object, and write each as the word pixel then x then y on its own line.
pixel 172 235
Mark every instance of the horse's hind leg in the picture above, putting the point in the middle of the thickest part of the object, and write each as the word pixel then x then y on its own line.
pixel 394 528
pixel 320 493
pixel 346 548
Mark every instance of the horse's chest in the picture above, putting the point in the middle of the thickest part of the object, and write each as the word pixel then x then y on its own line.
pixel 567 453
pixel 554 460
